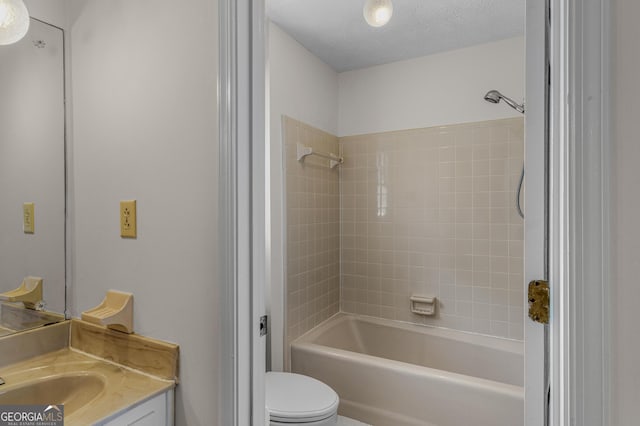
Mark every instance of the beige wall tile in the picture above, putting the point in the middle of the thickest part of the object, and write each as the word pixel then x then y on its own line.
pixel 432 211
pixel 313 230
pixel 415 211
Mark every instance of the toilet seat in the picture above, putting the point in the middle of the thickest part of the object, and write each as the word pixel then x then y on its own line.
pixel 294 398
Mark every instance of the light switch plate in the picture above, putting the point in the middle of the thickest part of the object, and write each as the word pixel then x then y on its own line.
pixel 128 219
pixel 28 218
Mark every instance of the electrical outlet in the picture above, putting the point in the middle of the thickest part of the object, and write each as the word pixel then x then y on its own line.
pixel 28 218
pixel 128 219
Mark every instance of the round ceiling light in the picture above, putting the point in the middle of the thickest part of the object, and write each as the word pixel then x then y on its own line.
pixel 14 21
pixel 377 12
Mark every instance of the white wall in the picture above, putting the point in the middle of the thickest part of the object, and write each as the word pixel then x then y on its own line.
pixel 626 210
pixel 303 87
pixel 144 79
pixel 52 11
pixel 434 90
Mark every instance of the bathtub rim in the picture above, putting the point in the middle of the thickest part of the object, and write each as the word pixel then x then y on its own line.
pixel 494 342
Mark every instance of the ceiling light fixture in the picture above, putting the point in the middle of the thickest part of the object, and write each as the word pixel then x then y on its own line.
pixel 377 12
pixel 14 21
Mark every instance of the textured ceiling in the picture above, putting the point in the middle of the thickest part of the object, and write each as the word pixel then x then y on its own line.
pixel 336 32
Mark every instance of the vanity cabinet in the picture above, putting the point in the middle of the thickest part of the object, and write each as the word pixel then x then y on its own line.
pixel 156 411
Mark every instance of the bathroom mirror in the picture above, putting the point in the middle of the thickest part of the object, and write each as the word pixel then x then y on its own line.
pixel 32 170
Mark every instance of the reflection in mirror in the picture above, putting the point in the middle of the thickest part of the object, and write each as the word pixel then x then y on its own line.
pixel 32 179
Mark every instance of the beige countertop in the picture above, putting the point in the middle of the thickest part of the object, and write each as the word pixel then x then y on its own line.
pixel 123 387
pixel 5 331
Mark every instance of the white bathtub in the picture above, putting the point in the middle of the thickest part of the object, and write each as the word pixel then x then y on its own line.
pixel 395 374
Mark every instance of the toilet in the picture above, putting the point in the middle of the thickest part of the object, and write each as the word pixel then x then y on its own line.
pixel 297 400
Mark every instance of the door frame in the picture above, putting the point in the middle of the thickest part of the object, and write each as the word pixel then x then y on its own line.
pixel 536 218
pixel 578 228
pixel 579 238
pixel 243 224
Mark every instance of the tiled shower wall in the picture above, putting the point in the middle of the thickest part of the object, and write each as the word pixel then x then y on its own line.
pixel 432 212
pixel 313 230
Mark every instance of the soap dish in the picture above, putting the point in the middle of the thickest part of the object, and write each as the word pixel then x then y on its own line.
pixel 423 305
pixel 115 312
pixel 29 293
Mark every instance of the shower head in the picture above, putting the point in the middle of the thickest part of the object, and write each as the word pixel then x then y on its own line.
pixel 494 97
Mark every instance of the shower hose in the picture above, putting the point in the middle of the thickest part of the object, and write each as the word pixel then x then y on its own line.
pixel 518 207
